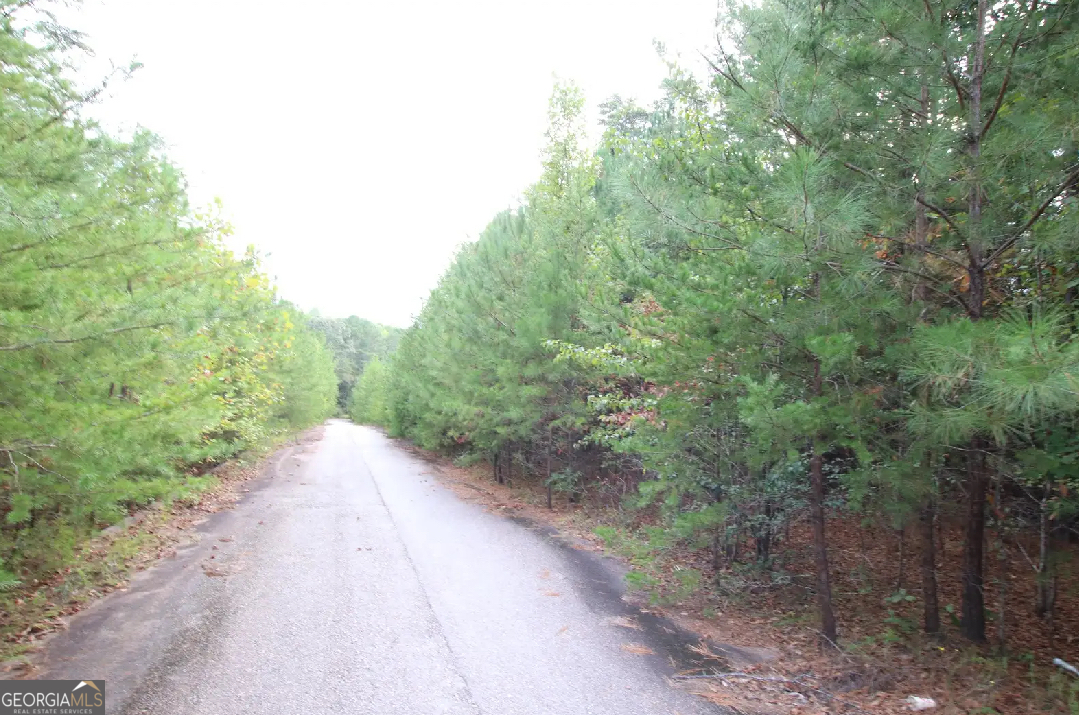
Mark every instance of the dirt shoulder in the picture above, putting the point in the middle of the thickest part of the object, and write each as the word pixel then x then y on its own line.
pixel 33 613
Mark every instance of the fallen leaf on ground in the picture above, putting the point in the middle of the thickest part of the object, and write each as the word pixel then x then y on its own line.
pixel 624 622
pixel 637 649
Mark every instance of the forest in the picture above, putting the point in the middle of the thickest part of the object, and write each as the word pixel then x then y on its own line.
pixel 136 351
pixel 833 280
pixel 356 344
pixel 828 287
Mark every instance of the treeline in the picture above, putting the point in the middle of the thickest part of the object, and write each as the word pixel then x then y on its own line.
pixel 839 273
pixel 354 342
pixel 136 351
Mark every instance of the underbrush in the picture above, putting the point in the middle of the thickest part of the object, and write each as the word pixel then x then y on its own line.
pixel 53 542
pixel 63 567
pixel 880 614
pixel 96 567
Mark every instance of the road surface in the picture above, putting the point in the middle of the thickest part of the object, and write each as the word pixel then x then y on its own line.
pixel 350 581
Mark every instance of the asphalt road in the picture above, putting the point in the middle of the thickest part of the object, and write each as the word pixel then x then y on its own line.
pixel 349 581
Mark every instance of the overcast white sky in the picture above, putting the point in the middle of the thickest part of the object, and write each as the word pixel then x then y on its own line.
pixel 357 144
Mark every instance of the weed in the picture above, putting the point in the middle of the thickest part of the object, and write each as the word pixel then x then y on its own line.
pixel 640 581
pixel 609 534
pixel 796 618
pixel 953 617
pixel 900 596
pixel 1062 691
pixel 689 580
pixel 905 625
pixel 567 481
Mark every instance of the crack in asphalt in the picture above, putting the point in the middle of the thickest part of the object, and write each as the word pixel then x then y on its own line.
pixel 423 589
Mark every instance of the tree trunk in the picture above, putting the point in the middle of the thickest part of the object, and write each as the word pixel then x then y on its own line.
pixel 719 533
pixel 921 222
pixel 1052 617
pixel 1043 601
pixel 717 549
pixel 1002 613
pixel 972 623
pixel 1002 575
pixel 829 637
pixel 731 541
pixel 550 434
pixel 931 618
pixel 500 466
pixel 975 246
pixel 902 577
pixel 942 536
pixel 764 536
pixel 1002 599
pixel 973 598
pixel 927 514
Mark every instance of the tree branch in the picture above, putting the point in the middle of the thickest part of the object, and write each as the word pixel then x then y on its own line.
pixel 942 213
pixel 1068 181
pixel 1008 72
pixel 924 249
pixel 681 224
pixel 954 81
pixel 69 341
pixel 891 266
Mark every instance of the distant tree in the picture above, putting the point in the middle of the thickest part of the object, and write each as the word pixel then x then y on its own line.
pixel 354 342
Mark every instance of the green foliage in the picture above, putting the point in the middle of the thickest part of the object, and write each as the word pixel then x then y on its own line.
pixel 307 378
pixel 640 581
pixel 841 273
pixel 354 342
pixel 370 399
pixel 134 346
pixel 8 580
pixel 475 369
pixel 567 481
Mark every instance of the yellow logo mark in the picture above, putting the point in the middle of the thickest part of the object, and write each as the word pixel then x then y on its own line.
pixel 87 682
